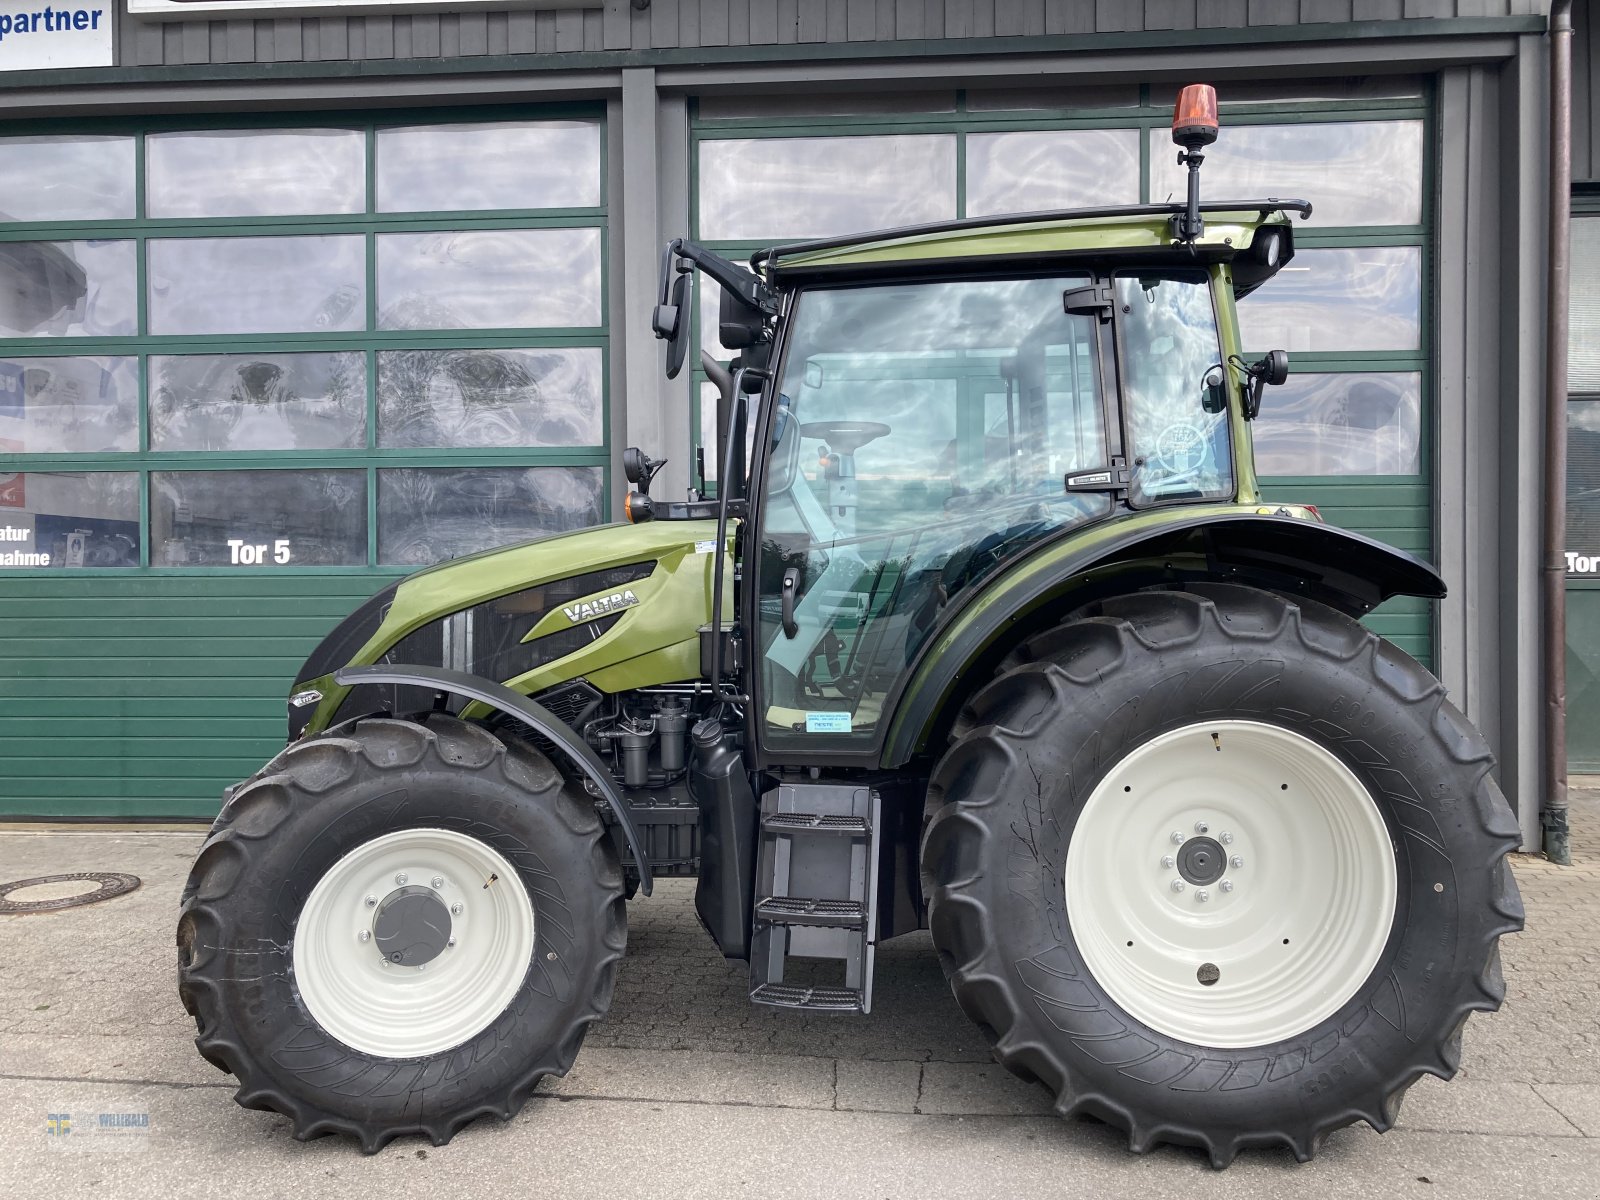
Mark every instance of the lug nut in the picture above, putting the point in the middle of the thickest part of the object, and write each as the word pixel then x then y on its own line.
pixel 457 909
pixel 384 961
pixel 1177 838
pixel 449 943
pixel 1177 885
pixel 1236 861
pixel 400 879
pixel 438 882
pixel 1201 827
pixel 1169 862
pixel 422 966
pixel 364 936
pixel 1202 895
pixel 1226 885
pixel 372 902
pixel 1225 838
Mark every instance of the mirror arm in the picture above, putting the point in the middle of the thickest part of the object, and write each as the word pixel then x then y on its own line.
pixel 742 282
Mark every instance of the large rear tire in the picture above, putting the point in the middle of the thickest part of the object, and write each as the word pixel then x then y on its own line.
pixel 398 927
pixel 1221 868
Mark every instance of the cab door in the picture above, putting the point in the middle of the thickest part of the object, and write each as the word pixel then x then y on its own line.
pixel 921 437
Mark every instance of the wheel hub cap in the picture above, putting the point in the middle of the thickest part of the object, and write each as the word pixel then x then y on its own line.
pixel 1201 861
pixel 412 926
pixel 1231 884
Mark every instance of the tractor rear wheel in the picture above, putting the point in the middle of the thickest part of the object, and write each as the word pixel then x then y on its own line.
pixel 1221 868
pixel 397 927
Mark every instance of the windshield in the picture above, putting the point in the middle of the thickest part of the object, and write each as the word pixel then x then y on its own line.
pixel 1176 449
pixel 922 437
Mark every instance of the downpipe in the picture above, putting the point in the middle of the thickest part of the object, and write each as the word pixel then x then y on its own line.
pixel 1553 577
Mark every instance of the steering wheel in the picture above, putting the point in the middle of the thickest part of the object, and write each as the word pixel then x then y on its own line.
pixel 844 436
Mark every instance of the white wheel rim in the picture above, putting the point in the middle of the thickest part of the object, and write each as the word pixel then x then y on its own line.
pixel 1297 921
pixel 393 1010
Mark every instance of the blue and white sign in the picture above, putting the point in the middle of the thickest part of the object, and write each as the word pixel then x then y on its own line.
pixel 43 37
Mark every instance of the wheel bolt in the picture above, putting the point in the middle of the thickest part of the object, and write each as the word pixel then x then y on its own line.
pixel 449 943
pixel 1169 862
pixel 384 961
pixel 400 879
pixel 438 882
pixel 1202 895
pixel 1225 838
pixel 422 966
pixel 457 909
pixel 1177 838
pixel 1201 827
pixel 1236 861
pixel 1177 885
pixel 372 902
pixel 364 936
pixel 1226 885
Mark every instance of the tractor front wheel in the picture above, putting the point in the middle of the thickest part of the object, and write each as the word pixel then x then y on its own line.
pixel 1219 867
pixel 397 927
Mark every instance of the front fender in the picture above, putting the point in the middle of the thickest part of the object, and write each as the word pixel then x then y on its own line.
pixel 1348 571
pixel 532 714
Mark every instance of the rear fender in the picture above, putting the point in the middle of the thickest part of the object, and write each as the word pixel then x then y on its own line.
pixel 1283 553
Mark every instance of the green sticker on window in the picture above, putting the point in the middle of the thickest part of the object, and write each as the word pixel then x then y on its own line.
pixel 827 722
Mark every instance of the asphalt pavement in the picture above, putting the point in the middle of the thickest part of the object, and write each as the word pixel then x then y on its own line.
pixel 687 1090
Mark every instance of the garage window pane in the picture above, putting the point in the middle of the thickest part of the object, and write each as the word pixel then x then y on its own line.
pixel 492 397
pixel 1356 172
pixel 261 519
pixel 69 519
pixel 257 284
pixel 428 514
pixel 818 187
pixel 1583 332
pixel 66 177
pixel 1033 170
pixel 1367 424
pixel 508 164
pixel 1348 299
pixel 68 289
pixel 1583 486
pixel 258 401
pixel 489 279
pixel 69 405
pixel 255 172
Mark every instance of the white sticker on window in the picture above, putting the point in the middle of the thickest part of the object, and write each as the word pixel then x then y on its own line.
pixel 708 546
pixel 827 722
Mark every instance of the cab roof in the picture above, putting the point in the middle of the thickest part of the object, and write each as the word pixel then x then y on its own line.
pixel 1140 234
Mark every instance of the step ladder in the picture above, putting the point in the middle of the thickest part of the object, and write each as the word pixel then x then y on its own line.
pixel 816 893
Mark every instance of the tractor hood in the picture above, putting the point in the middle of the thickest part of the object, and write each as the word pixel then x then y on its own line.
pixel 620 605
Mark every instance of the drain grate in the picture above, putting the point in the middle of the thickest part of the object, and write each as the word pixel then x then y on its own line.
pixel 112 883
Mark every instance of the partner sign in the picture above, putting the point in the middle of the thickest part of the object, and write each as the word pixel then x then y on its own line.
pixel 40 37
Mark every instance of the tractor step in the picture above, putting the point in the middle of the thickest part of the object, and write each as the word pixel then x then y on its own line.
pixel 806 822
pixel 817 895
pixel 827 999
pixel 794 910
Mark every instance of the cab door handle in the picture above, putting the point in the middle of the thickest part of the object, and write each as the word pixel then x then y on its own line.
pixel 791 586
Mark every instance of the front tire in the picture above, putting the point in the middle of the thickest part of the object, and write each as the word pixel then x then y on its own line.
pixel 1221 868
pixel 397 927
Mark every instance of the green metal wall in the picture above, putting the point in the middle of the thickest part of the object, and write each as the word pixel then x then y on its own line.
pixel 143 696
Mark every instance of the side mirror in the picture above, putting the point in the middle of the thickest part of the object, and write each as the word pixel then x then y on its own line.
pixel 1214 391
pixel 670 321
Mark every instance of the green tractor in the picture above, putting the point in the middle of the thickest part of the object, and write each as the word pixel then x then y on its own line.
pixel 987 630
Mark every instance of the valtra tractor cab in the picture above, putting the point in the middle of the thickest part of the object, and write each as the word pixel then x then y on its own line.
pixel 987 631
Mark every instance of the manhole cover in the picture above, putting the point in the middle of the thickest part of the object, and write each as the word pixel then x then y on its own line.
pixel 109 884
